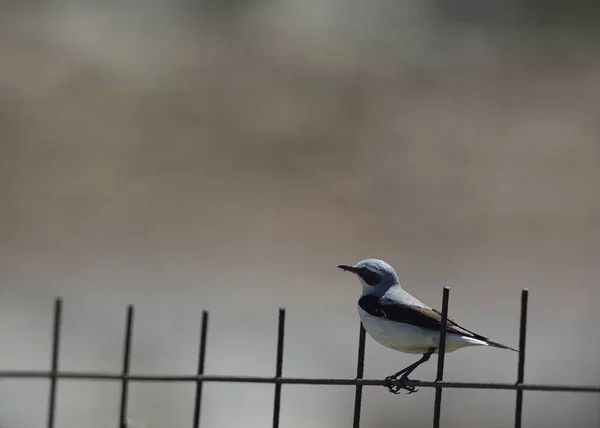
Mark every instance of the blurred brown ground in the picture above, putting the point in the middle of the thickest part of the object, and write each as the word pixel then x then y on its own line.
pixel 179 166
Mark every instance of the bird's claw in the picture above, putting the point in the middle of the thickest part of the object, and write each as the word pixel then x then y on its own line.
pixel 391 384
pixel 395 385
pixel 411 389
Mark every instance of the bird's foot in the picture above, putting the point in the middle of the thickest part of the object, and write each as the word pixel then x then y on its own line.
pixel 395 384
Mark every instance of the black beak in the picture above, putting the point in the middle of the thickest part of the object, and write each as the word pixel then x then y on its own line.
pixel 347 268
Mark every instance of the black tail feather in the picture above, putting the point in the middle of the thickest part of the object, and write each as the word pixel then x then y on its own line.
pixel 499 345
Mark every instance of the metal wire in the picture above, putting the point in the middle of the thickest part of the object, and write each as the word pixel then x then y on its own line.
pixel 437 408
pixel 521 367
pixel 279 367
pixel 125 377
pixel 200 371
pixel 126 362
pixel 41 374
pixel 54 363
pixel 360 366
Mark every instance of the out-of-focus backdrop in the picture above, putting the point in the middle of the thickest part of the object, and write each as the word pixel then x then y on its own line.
pixel 227 155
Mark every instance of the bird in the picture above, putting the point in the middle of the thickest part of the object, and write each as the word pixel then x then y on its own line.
pixel 397 320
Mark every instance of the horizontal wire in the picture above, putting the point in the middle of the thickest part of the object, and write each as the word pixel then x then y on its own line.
pixel 288 380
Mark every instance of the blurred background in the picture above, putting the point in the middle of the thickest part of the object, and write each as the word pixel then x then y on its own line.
pixel 227 155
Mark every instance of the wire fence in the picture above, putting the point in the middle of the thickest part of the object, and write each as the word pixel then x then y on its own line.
pixel 125 377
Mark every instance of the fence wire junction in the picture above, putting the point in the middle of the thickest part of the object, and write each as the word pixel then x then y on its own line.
pixel 125 377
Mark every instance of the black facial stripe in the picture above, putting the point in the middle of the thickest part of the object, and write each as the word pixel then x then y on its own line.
pixel 369 276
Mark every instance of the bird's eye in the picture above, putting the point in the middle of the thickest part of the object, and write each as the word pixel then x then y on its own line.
pixel 369 276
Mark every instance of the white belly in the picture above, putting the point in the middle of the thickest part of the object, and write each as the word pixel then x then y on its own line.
pixel 410 338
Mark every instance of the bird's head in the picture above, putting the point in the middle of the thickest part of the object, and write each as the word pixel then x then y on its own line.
pixel 373 273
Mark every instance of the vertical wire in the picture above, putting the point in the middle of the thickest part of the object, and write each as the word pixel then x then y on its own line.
pixel 200 370
pixel 437 410
pixel 360 365
pixel 279 367
pixel 126 363
pixel 57 321
pixel 521 367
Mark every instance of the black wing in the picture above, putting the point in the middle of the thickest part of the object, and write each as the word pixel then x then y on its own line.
pixel 419 316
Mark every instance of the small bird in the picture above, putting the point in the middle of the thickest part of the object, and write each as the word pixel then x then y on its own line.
pixel 399 321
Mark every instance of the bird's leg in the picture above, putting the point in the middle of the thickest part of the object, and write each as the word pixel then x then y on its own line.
pixel 395 384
